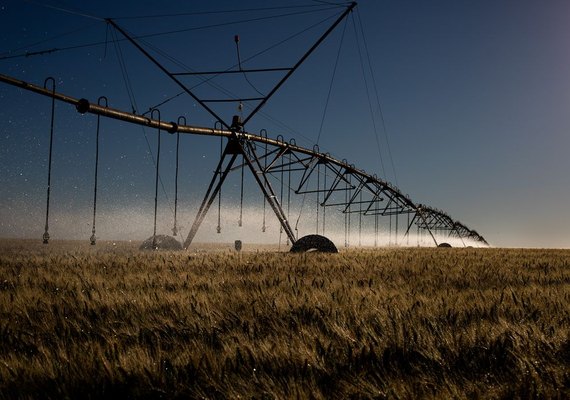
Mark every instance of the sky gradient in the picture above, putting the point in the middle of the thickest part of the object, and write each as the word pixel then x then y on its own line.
pixel 475 99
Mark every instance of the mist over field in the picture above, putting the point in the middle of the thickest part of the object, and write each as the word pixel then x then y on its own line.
pixel 136 224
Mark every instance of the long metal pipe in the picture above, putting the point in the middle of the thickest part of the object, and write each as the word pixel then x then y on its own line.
pixel 85 106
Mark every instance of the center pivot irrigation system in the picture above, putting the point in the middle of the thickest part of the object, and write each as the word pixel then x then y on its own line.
pixel 299 170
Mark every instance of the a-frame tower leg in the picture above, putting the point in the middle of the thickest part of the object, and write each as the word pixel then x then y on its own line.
pixel 234 148
pixel 215 184
pixel 265 185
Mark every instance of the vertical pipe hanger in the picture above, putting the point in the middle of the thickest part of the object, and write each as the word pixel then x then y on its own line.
pixel 376 216
pixel 263 133
pixel 288 187
pixel 281 198
pixel 318 196
pixel 181 120
pixel 324 201
pixel 390 231
pixel 46 230
pixel 346 214
pixel 93 238
pixel 360 220
pixel 219 171
pixel 350 196
pixel 407 235
pixel 396 231
pixel 240 221
pixel 156 176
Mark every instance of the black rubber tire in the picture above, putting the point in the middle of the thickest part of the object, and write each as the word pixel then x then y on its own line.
pixel 314 243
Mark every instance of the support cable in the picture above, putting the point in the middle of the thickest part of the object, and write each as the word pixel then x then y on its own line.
pixel 224 90
pixel 378 102
pixel 369 101
pixel 331 82
pixel 236 22
pixel 156 34
pixel 124 72
pixel 230 11
pixel 66 10
pixel 299 62
pixel 7 54
pixel 230 94
pixel 46 231
pixel 203 103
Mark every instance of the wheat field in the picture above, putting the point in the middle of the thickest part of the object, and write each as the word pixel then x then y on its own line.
pixel 112 321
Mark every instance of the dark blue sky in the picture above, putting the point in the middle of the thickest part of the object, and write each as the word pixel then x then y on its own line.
pixel 475 98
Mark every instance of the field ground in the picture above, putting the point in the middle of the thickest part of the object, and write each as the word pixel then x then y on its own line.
pixel 78 321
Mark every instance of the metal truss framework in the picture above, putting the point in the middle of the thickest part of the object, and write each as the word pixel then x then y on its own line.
pixel 338 183
pixel 342 186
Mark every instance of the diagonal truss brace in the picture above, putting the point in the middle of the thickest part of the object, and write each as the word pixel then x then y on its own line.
pixel 263 100
pixel 170 75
